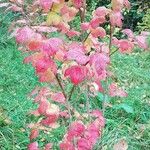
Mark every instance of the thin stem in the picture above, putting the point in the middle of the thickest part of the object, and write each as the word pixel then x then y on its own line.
pixel 60 85
pixel 110 46
pixel 110 37
pixel 82 11
pixel 86 37
pixel 71 92
pixel 113 52
pixel 67 99
pixel 88 103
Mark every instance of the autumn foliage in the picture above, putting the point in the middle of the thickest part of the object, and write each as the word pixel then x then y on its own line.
pixel 78 57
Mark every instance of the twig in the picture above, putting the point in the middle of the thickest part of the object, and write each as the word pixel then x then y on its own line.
pixel 59 82
pixel 88 103
pixel 113 52
pixel 71 92
pixel 110 46
pixel 86 37
pixel 67 99
pixel 110 37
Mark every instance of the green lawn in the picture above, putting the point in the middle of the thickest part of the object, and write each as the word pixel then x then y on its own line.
pixel 130 121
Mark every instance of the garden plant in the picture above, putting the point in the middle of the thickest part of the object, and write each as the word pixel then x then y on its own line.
pixel 73 63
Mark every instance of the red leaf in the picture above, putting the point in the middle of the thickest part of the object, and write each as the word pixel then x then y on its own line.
pixel 76 130
pixel 34 134
pixel 43 106
pixel 77 74
pixel 49 120
pixel 34 45
pixel 84 144
pixel 43 64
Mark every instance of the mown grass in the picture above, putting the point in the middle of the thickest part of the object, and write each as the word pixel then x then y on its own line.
pixel 130 121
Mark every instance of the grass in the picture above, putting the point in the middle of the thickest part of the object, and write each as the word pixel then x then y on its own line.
pixel 130 121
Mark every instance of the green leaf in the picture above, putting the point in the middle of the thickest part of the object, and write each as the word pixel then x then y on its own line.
pixel 102 97
pixel 124 106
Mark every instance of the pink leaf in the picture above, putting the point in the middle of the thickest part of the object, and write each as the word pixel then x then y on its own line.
pixel 76 52
pixel 16 8
pixel 85 26
pixel 73 33
pixel 98 114
pixel 33 146
pixel 58 97
pixel 114 90
pixel 43 106
pixel 116 19
pixel 127 4
pixel 78 3
pixel 84 144
pixel 66 146
pixel 96 21
pixel 48 146
pixel 99 63
pixel 101 11
pixel 51 46
pixel 99 32
pixel 125 46
pixel 24 35
pixel 34 45
pixel 77 74
pixel 46 4
pixel 45 29
pixel 129 33
pixel 142 41
pixel 43 64
pixel 76 130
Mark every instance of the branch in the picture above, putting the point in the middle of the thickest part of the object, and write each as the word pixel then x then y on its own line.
pixel 67 99
pixel 60 85
pixel 71 92
pixel 110 37
pixel 113 52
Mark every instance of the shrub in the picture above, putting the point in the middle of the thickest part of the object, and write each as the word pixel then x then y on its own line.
pixel 72 64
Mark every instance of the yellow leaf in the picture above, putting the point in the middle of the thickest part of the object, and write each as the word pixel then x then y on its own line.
pixel 58 6
pixel 88 44
pixel 53 18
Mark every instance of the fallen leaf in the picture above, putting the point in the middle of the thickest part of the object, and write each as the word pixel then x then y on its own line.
pixel 121 145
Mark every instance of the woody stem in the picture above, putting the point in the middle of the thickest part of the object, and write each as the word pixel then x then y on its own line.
pixel 67 98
